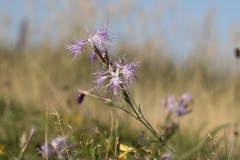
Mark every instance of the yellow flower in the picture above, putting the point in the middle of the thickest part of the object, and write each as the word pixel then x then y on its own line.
pixel 2 146
pixel 128 149
pixel 122 155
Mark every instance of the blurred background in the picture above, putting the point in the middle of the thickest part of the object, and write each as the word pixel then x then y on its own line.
pixel 182 46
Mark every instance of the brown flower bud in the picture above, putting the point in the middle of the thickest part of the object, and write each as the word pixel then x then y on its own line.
pixel 237 53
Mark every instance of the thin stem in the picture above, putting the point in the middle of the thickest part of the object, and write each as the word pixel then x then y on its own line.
pixel 46 132
pixel 107 101
pixel 232 147
pixel 145 122
pixel 61 130
pixel 110 136
pixel 26 144
pixel 99 56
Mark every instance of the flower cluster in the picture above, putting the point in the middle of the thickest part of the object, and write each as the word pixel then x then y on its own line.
pixel 99 38
pixel 56 146
pixel 166 156
pixel 128 149
pixel 117 77
pixel 177 106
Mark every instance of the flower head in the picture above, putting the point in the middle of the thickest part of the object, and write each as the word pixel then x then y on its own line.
pixel 99 38
pixel 44 150
pixel 170 103
pixel 185 99
pixel 58 143
pixel 114 84
pixel 80 97
pixel 76 47
pixel 177 106
pixel 117 77
pixel 128 70
pixel 167 156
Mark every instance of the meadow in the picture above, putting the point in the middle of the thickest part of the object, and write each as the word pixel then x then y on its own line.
pixel 39 89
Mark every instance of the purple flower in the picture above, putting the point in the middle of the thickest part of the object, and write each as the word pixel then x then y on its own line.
pixel 177 106
pixel 170 103
pixel 76 47
pixel 59 143
pixel 181 110
pixel 101 77
pixel 167 156
pixel 45 150
pixel 114 84
pixel 117 77
pixel 128 70
pixel 80 98
pixel 99 38
pixel 185 99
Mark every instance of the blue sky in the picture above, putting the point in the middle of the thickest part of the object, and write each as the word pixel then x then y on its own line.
pixel 226 13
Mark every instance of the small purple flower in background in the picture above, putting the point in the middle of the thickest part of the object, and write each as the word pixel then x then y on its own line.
pixel 59 143
pixel 185 99
pixel 177 106
pixel 181 110
pixel 55 147
pixel 99 38
pixel 167 156
pixel 44 150
pixel 170 103
pixel 122 74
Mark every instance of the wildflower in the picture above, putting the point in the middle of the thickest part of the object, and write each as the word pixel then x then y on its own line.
pixel 128 149
pixel 177 106
pixel 117 77
pixel 183 102
pixel 170 103
pixel 128 70
pixel 76 47
pixel 2 147
pixel 59 143
pixel 167 156
pixel 185 99
pixel 237 52
pixel 45 150
pixel 99 38
pixel 122 155
pixel 181 110
pixel 56 146
pixel 80 97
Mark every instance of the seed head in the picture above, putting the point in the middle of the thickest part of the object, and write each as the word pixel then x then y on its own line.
pixel 237 52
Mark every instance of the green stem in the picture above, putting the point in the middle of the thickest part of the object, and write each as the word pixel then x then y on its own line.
pixel 104 63
pixel 145 122
pixel 107 101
